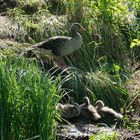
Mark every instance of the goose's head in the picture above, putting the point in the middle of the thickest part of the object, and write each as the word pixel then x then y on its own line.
pixel 99 104
pixel 88 110
pixel 86 101
pixel 76 27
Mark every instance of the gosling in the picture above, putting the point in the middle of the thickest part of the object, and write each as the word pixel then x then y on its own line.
pixel 69 110
pixel 106 112
pixel 88 111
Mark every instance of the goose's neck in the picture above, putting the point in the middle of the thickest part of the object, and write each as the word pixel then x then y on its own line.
pixel 76 40
pixel 87 101
pixel 74 33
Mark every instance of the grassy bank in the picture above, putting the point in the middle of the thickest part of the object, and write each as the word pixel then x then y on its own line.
pixel 28 98
pixel 28 95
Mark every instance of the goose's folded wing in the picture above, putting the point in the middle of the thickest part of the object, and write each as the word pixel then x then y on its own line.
pixel 52 43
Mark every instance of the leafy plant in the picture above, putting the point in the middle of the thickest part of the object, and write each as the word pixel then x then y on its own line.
pixel 135 43
pixel 105 136
pixel 28 98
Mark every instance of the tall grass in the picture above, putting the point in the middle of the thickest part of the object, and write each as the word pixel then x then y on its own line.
pixel 98 86
pixel 28 98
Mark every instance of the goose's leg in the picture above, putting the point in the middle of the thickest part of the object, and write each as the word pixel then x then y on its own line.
pixel 60 62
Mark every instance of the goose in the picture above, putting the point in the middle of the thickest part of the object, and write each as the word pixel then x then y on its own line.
pixel 88 111
pixel 62 45
pixel 69 110
pixel 106 112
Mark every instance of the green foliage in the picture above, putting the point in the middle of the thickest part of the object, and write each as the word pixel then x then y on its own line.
pixel 128 122
pixel 135 47
pixel 104 27
pixel 28 95
pixel 129 125
pixel 135 43
pixel 28 98
pixel 105 136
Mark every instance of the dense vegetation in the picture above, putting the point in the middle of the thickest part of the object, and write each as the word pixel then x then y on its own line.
pixel 101 69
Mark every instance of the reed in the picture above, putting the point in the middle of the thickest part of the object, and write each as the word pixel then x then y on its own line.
pixel 28 98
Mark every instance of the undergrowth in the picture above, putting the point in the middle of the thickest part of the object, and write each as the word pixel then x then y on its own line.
pixel 105 136
pixel 99 69
pixel 28 98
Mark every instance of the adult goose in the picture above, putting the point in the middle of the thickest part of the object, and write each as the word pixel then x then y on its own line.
pixel 88 111
pixel 107 114
pixel 69 110
pixel 63 45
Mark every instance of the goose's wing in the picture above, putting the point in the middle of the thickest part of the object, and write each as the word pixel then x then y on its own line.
pixel 67 111
pixel 109 112
pixel 90 113
pixel 93 112
pixel 52 43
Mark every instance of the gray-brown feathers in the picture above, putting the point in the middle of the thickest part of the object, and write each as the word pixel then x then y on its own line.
pixel 63 45
pixel 88 111
pixel 69 110
pixel 106 112
pixel 54 44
